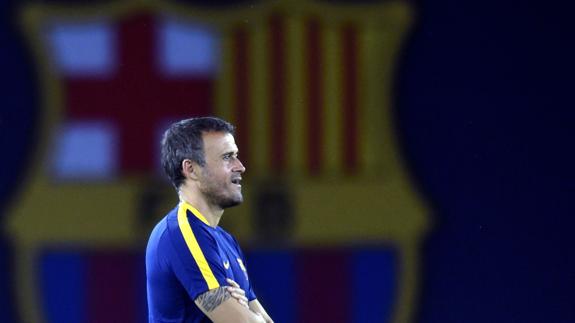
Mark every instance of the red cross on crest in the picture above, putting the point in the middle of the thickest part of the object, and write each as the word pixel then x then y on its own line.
pixel 139 97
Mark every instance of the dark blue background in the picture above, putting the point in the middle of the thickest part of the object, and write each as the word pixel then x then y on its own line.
pixel 485 108
pixel 485 112
pixel 18 113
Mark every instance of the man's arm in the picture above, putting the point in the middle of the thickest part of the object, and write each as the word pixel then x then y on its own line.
pixel 220 307
pixel 256 307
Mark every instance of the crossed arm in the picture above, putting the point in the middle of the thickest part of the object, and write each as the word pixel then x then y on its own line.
pixel 228 304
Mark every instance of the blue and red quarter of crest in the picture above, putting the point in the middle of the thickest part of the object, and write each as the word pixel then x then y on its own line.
pixel 302 285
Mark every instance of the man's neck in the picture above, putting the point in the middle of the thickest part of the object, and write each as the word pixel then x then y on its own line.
pixel 212 213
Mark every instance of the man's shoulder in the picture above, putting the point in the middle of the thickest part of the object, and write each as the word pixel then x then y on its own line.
pixel 186 233
pixel 162 228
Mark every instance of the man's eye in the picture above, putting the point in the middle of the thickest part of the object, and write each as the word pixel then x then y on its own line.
pixel 230 156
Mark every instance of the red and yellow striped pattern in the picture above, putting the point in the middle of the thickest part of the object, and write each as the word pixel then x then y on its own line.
pixel 293 89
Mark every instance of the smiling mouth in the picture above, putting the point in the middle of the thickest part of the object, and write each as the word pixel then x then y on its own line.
pixel 237 181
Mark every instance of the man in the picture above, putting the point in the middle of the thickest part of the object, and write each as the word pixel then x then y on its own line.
pixel 195 270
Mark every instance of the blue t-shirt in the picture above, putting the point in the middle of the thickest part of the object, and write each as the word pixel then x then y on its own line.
pixel 186 257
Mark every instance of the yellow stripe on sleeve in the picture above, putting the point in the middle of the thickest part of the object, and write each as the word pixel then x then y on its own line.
pixel 195 249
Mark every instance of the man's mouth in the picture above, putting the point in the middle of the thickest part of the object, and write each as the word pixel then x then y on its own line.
pixel 237 181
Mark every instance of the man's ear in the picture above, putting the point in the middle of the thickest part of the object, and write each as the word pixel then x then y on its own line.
pixel 190 169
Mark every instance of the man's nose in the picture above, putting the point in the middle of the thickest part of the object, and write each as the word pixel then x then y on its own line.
pixel 240 167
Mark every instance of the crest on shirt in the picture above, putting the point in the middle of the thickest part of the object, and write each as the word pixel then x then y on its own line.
pixel 307 84
pixel 241 263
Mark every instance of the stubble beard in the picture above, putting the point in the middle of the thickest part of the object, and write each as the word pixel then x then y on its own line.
pixel 216 195
pixel 230 202
pixel 222 200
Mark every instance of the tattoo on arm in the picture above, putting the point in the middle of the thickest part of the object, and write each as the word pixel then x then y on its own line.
pixel 213 298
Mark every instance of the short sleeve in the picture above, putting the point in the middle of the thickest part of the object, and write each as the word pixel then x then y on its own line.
pixel 196 260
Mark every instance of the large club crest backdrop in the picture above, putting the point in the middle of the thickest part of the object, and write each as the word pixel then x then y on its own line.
pixel 308 85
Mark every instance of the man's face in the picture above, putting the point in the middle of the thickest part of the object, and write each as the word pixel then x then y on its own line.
pixel 221 175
